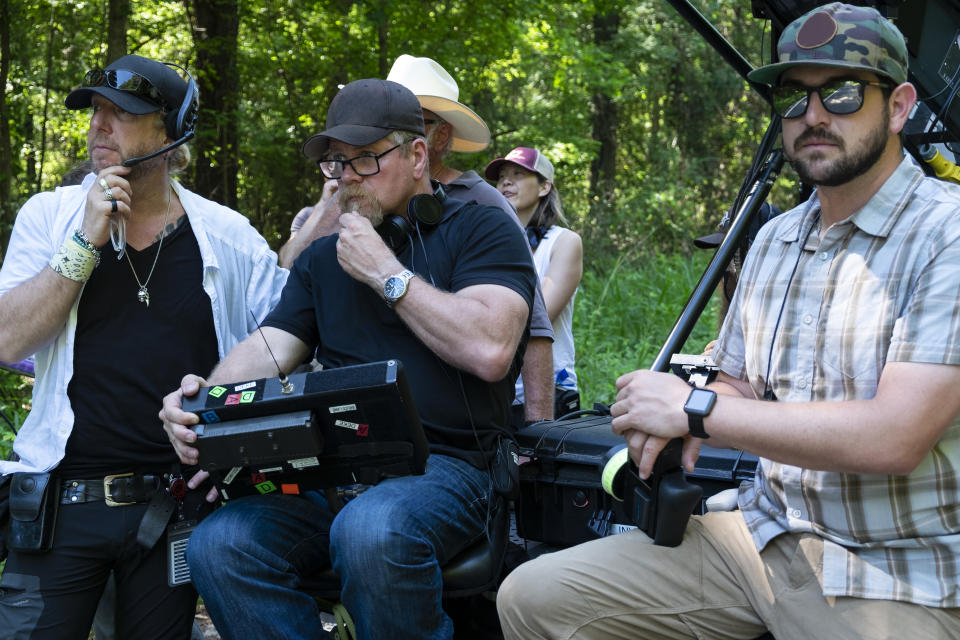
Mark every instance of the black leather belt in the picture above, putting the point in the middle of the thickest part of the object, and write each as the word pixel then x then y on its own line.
pixel 118 490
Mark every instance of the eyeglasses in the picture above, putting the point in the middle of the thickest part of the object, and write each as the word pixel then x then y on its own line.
pixel 123 80
pixel 368 165
pixel 839 97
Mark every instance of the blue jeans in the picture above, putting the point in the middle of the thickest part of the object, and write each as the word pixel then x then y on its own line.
pixel 387 545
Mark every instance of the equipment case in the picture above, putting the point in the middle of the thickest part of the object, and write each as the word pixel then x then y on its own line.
pixel 562 501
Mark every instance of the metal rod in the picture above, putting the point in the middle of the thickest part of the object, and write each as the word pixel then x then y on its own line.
pixel 711 276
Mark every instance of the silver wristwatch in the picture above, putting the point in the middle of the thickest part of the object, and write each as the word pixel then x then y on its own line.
pixel 396 286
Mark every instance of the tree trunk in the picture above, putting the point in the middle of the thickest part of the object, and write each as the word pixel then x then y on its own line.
pixel 603 168
pixel 117 17
pixel 215 28
pixel 6 148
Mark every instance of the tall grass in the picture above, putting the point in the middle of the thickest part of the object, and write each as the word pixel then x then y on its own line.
pixel 625 309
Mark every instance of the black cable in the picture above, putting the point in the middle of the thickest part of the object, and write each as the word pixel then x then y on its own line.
pixel 768 393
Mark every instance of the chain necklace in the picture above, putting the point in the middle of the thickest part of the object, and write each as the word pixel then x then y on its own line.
pixel 143 295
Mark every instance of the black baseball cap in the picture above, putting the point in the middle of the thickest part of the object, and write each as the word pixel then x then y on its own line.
pixel 133 83
pixel 365 111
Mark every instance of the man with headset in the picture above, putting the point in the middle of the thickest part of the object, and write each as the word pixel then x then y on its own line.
pixel 95 484
pixel 840 363
pixel 451 302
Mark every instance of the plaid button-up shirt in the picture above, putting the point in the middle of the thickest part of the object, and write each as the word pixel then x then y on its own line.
pixel 881 286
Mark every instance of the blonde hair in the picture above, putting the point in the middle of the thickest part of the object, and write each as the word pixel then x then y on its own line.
pixel 181 156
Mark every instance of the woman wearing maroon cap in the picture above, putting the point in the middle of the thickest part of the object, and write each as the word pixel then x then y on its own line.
pixel 525 178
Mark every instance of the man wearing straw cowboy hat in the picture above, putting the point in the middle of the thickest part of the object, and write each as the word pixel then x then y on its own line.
pixel 452 126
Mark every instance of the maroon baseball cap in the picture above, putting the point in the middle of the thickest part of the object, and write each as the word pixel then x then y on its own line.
pixel 365 111
pixel 529 159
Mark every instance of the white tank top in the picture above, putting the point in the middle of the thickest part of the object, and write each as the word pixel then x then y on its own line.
pixel 563 350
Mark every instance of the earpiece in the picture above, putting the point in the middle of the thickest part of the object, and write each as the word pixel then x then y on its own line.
pixel 181 122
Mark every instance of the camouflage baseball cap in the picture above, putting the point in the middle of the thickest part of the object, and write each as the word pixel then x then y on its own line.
pixel 839 35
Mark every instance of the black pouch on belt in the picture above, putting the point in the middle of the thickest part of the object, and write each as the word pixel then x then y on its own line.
pixel 34 498
pixel 4 514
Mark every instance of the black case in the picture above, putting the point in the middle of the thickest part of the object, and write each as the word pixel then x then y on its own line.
pixel 562 501
pixel 34 500
pixel 721 469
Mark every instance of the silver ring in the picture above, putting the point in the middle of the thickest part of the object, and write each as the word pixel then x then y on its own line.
pixel 108 194
pixel 113 205
pixel 103 184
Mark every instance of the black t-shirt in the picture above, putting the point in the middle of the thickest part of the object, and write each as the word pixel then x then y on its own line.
pixel 127 356
pixel 350 324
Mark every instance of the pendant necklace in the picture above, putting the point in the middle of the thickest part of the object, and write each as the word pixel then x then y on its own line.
pixel 143 295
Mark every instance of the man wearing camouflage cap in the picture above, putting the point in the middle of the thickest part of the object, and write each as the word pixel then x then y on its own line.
pixel 838 368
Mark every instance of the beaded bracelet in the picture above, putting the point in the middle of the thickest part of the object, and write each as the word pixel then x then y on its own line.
pixel 73 261
pixel 82 239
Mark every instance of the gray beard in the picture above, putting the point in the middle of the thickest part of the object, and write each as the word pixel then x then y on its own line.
pixel 367 207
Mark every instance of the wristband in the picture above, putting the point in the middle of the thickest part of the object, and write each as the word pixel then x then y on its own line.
pixel 74 261
pixel 85 242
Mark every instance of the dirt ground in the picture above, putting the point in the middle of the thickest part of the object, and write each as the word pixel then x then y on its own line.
pixel 210 632
pixel 205 624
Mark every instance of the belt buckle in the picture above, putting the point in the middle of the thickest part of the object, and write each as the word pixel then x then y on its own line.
pixel 107 493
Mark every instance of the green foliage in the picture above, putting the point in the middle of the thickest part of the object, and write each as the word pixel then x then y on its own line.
pixel 531 69
pixel 15 393
pixel 684 129
pixel 625 309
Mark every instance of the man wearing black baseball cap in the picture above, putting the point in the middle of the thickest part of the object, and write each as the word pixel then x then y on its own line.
pixel 118 285
pixel 448 293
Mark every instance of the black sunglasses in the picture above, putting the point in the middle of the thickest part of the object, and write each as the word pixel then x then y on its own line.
pixel 123 80
pixel 839 97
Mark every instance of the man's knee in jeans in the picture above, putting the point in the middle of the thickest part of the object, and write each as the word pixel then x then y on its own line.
pixel 356 538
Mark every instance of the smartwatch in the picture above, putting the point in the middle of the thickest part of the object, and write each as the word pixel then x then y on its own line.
pixel 396 286
pixel 698 406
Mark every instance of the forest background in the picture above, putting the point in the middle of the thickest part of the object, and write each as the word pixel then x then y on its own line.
pixel 650 131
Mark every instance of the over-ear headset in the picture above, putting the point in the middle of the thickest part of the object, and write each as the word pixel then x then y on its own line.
pixel 422 210
pixel 182 121
pixel 179 123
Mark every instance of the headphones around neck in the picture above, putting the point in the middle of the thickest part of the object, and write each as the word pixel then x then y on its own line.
pixel 422 209
pixel 182 122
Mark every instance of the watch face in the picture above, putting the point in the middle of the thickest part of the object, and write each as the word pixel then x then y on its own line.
pixel 393 287
pixel 700 401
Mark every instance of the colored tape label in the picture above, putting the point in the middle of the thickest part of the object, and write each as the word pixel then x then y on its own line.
pixel 266 487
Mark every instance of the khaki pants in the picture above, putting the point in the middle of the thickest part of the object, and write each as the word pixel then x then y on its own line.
pixel 712 586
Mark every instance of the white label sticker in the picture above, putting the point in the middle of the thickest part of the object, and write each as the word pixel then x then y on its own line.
pixel 227 479
pixel 343 408
pixel 300 463
pixel 248 385
pixel 616 528
pixel 270 470
pixel 346 425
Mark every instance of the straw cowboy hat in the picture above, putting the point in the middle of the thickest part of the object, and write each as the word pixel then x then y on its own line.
pixel 438 92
